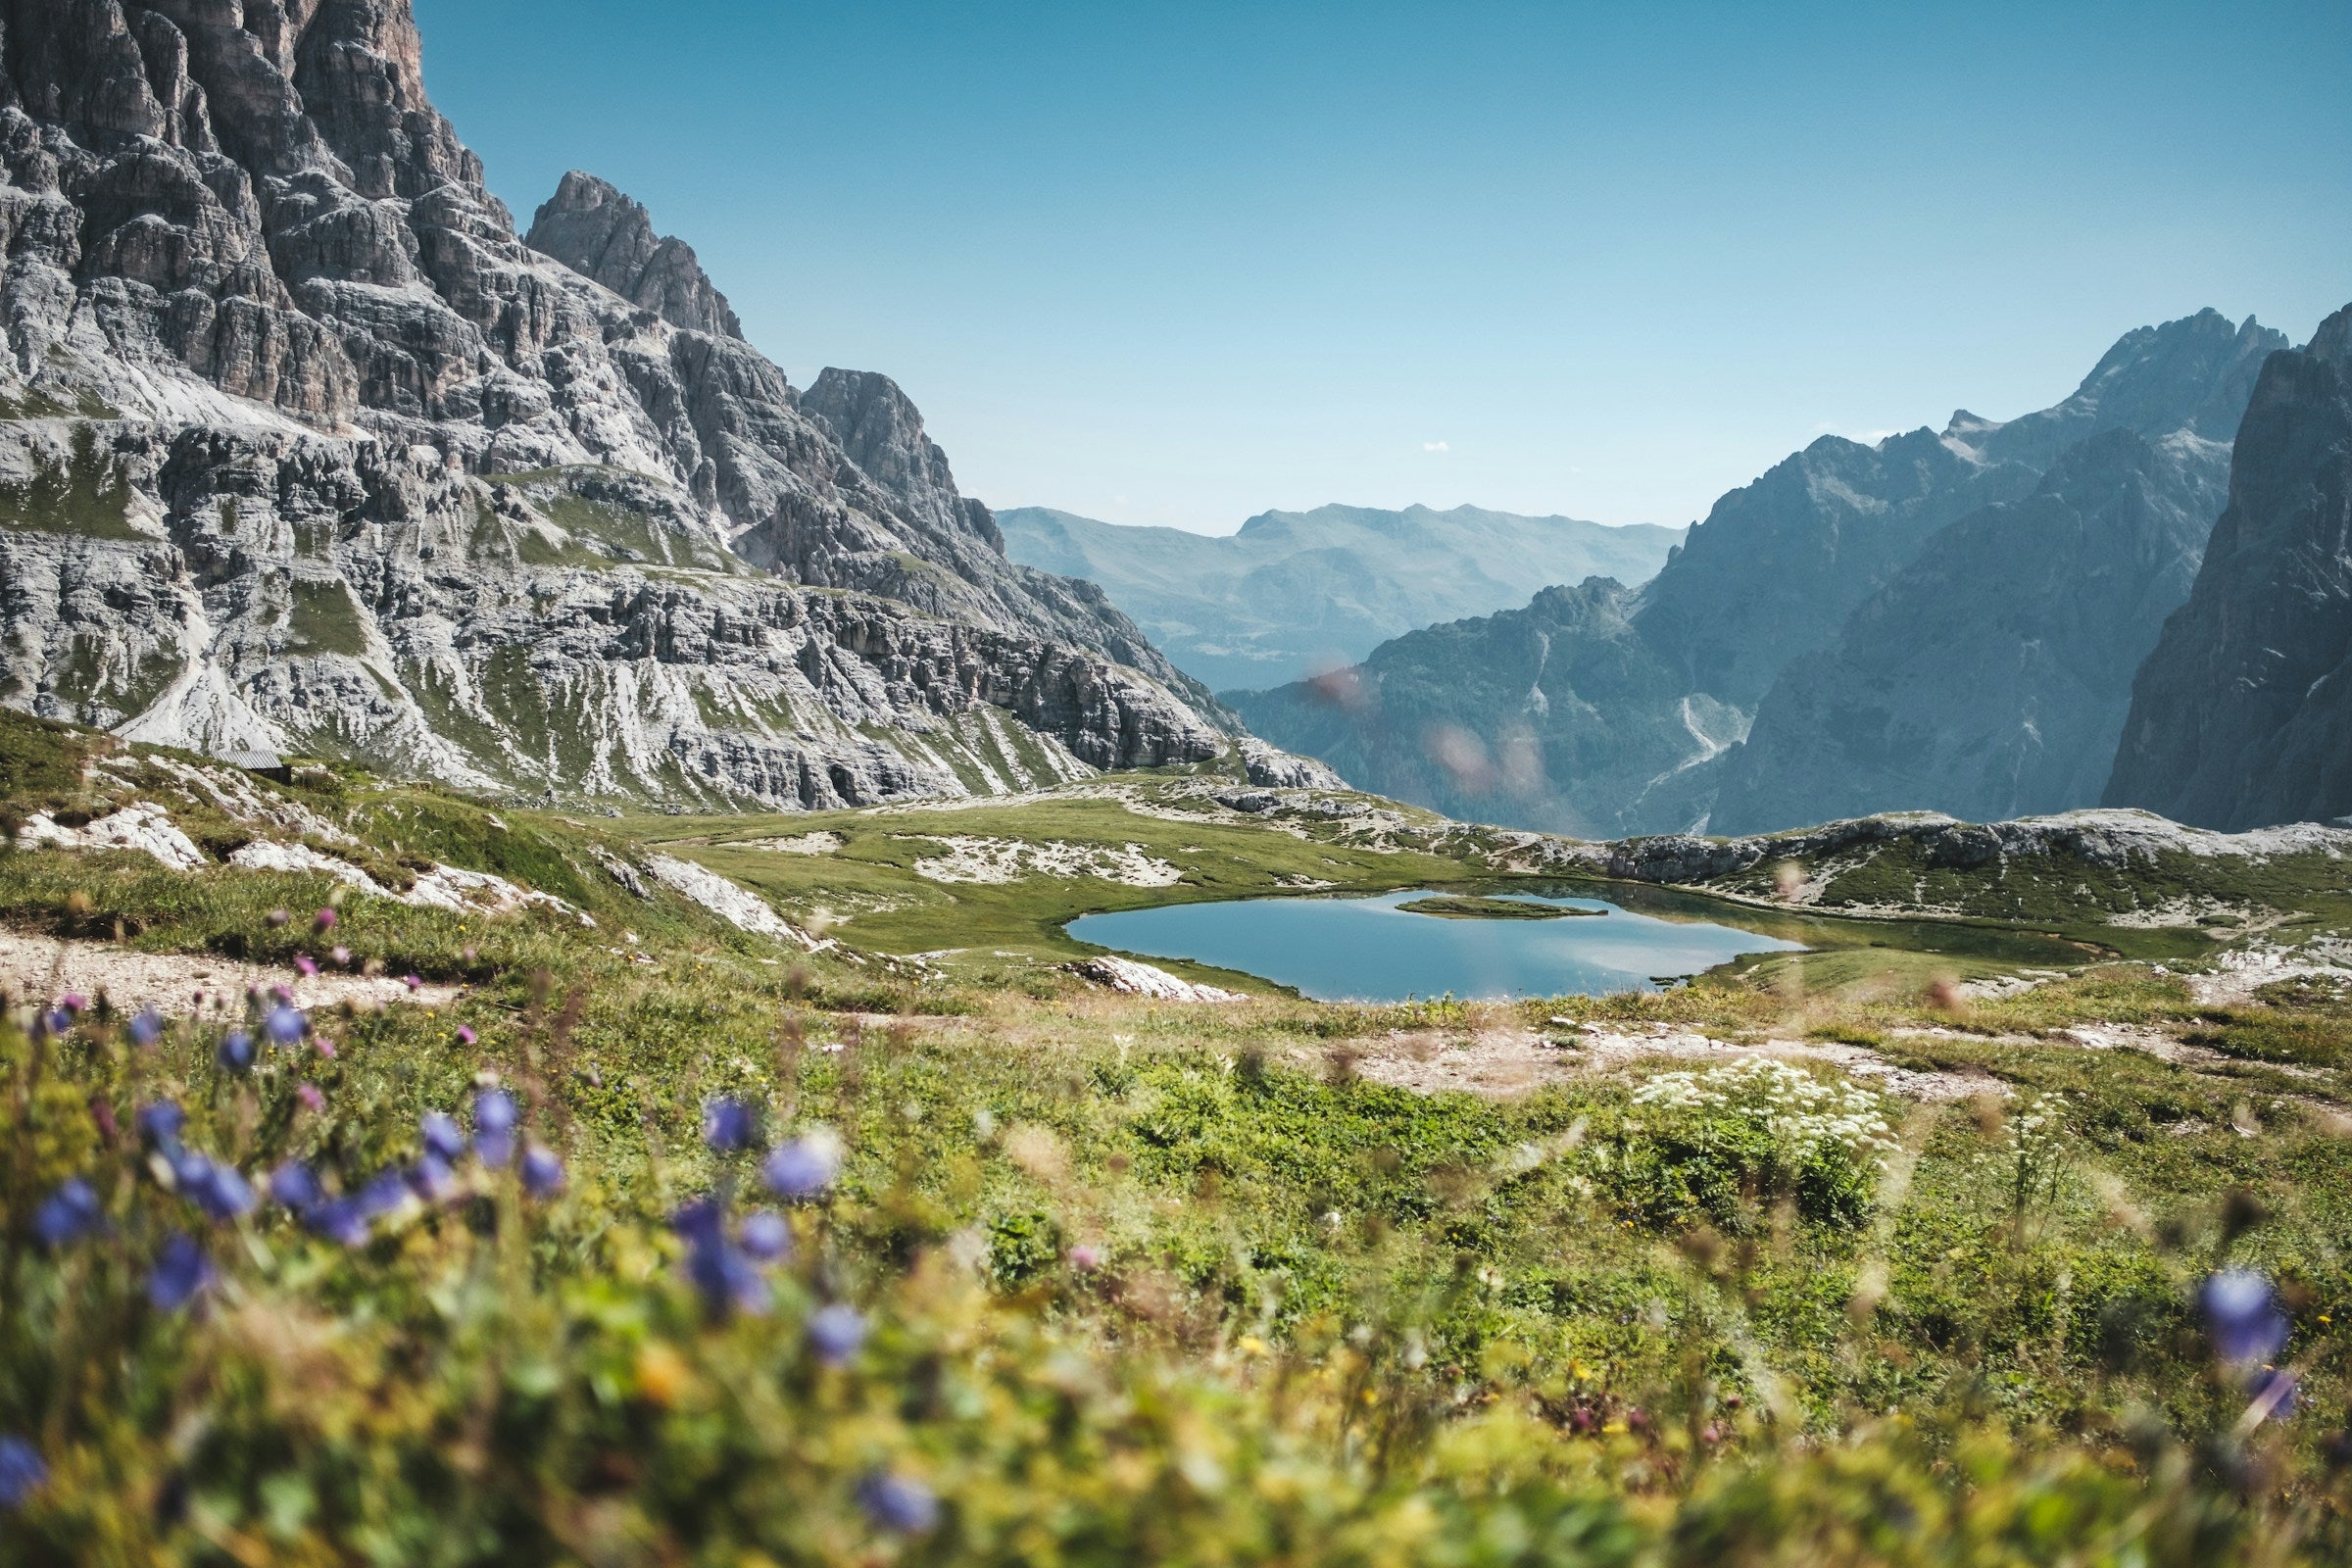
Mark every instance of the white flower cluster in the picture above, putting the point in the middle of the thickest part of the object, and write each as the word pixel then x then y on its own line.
pixel 1802 1113
pixel 2036 1140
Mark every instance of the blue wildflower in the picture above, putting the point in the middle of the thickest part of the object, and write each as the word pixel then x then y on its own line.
pixel 386 1192
pixel 766 1237
pixel 728 1125
pixel 146 1029
pixel 296 1185
pixel 900 1504
pixel 804 1169
pixel 219 1189
pixel 701 1222
pixel 432 1178
pixel 837 1334
pixel 542 1173
pixel 342 1222
pixel 160 1123
pixel 2242 1317
pixel 181 1273
pixel 286 1026
pixel 727 1280
pixel 441 1135
pixel 236 1051
pixel 495 1118
pixel 67 1216
pixel 21 1472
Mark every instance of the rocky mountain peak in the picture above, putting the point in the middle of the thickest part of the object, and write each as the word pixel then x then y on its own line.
pixel 302 448
pixel 600 233
pixel 880 428
pixel 2334 340
pixel 2195 374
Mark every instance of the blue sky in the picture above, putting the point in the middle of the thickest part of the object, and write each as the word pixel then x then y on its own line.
pixel 1183 263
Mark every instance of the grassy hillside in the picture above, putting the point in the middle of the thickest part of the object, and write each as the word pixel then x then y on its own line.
pixel 1100 1280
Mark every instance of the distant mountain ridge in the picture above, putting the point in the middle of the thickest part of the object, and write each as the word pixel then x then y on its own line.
pixel 1606 712
pixel 1295 593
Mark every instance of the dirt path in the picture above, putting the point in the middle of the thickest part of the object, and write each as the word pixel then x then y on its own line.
pixel 45 967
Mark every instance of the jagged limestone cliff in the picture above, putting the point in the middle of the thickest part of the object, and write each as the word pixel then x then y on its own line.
pixel 2242 715
pixel 302 448
pixel 1865 627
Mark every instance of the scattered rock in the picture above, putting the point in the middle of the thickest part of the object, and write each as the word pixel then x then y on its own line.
pixel 44 967
pixel 999 861
pixel 1130 979
pixel 811 844
pixel 142 829
pixel 263 856
pixel 737 905
pixel 623 872
pixel 1249 802
pixel 1271 767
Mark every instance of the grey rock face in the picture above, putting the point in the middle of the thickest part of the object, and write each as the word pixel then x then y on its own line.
pixel 1604 713
pixel 306 450
pixel 1272 770
pixel 2242 715
pixel 600 234
pixel 1991 678
pixel 1297 593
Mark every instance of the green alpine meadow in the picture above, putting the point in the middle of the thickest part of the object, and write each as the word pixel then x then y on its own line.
pixel 1469 893
pixel 341 1228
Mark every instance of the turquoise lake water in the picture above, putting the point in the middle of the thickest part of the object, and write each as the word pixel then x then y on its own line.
pixel 1369 949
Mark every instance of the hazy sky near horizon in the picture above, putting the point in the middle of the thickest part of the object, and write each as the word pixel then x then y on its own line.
pixel 1183 263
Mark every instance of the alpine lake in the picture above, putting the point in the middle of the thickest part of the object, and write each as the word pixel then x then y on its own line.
pixel 1481 944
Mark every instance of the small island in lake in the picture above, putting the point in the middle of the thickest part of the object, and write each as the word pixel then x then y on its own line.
pixel 1451 907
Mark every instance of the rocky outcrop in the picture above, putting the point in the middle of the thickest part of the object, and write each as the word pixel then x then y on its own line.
pixel 1602 712
pixel 1991 678
pixel 302 448
pixel 2242 715
pixel 1271 768
pixel 600 234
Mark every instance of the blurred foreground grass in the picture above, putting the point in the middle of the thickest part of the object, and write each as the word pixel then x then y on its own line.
pixel 1098 1280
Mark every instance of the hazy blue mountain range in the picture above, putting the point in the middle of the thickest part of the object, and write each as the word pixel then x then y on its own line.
pixel 1893 620
pixel 2242 716
pixel 1296 593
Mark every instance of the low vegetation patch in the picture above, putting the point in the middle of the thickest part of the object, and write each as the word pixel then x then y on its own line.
pixel 664 1242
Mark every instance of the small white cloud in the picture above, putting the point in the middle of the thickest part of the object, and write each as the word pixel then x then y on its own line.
pixel 1435 446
